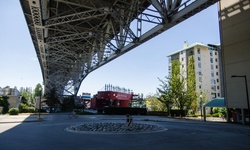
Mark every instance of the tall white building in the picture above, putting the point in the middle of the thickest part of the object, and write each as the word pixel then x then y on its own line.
pixel 207 67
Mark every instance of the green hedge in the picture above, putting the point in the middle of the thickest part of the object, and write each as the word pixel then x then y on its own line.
pixel 177 113
pixel 157 113
pixel 26 109
pixel 125 110
pixel 13 111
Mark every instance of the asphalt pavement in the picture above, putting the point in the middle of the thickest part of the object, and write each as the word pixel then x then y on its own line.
pixel 28 132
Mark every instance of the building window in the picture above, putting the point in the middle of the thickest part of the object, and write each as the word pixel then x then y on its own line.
pixel 211 60
pixel 212 81
pixel 218 87
pixel 218 94
pixel 217 73
pixel 217 80
pixel 216 60
pixel 182 59
pixel 215 53
pixel 212 74
pixel 216 66
pixel 199 58
pixel 212 67
pixel 199 64
pixel 211 53
pixel 199 51
pixel 200 73
pixel 200 79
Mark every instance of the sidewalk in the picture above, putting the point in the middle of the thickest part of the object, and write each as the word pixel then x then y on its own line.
pixel 34 118
pixel 18 118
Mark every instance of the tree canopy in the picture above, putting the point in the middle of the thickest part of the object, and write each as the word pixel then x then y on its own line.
pixel 176 89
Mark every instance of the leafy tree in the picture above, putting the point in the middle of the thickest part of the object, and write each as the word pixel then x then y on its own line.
pixel 37 91
pixel 27 101
pixel 154 104
pixel 191 85
pixel 26 97
pixel 5 104
pixel 179 92
pixel 174 90
pixel 52 97
pixel 165 93
pixel 67 103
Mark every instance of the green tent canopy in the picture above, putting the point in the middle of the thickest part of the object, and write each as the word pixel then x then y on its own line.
pixel 217 102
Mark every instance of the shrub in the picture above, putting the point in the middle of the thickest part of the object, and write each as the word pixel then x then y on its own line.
pixel 157 113
pixel 5 104
pixel 24 108
pixel 219 112
pixel 125 110
pixel 177 112
pixel 13 111
pixel 208 115
pixel 193 115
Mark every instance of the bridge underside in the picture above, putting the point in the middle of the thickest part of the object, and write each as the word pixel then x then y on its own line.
pixel 74 37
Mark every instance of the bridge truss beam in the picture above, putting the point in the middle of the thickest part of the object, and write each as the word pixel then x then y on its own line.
pixel 74 37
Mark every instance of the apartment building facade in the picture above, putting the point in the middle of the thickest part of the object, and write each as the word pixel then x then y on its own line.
pixel 206 66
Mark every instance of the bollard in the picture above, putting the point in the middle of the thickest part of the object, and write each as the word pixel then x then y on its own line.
pixel 129 120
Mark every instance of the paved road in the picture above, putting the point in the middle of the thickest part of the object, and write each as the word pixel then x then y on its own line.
pixel 180 134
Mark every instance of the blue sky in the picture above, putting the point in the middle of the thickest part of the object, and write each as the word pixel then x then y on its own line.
pixel 139 69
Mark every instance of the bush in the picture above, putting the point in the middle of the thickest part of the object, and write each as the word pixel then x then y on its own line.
pixel 13 111
pixel 208 115
pixel 157 113
pixel 193 115
pixel 26 109
pixel 125 110
pixel 5 104
pixel 177 112
pixel 218 115
pixel 219 112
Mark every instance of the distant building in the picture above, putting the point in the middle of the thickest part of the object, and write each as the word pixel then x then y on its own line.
pixel 13 94
pixel 207 67
pixel 26 89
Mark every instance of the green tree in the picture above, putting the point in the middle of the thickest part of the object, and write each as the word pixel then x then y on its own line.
pixel 5 104
pixel 154 104
pixel 26 97
pixel 173 90
pixel 191 85
pixel 165 93
pixel 52 97
pixel 37 91
pixel 67 103
pixel 179 93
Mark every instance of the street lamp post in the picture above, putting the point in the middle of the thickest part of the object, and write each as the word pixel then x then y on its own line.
pixel 39 113
pixel 244 76
pixel 201 105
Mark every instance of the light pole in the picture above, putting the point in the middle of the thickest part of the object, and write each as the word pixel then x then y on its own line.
pixel 39 113
pixel 201 105
pixel 244 76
